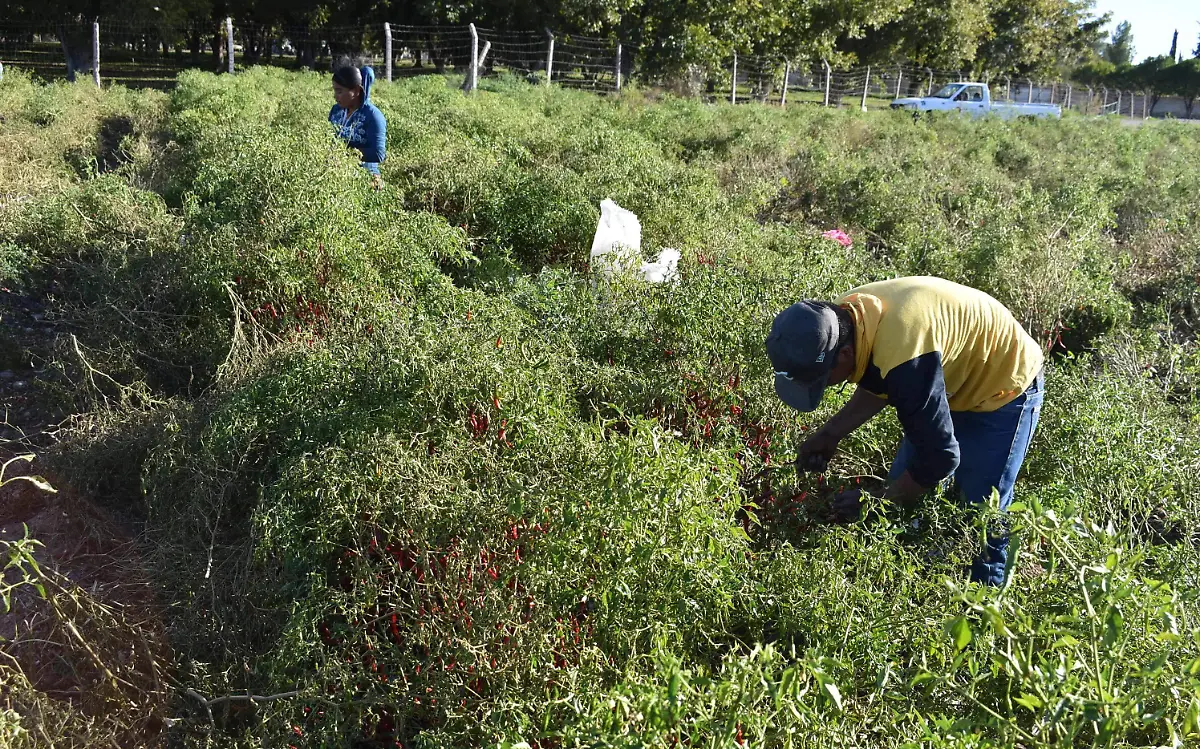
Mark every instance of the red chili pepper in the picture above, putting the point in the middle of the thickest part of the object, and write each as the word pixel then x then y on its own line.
pixel 496 402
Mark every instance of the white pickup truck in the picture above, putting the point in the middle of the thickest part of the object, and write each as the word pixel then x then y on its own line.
pixel 974 99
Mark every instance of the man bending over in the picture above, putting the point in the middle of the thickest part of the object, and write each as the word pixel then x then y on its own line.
pixel 963 375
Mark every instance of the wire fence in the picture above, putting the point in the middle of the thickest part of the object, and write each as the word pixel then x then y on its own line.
pixel 148 53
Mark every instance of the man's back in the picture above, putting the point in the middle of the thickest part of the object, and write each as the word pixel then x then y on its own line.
pixel 987 358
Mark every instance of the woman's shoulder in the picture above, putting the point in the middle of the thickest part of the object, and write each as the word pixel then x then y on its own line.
pixel 372 112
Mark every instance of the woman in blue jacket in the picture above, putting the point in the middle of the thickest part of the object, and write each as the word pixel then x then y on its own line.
pixel 357 120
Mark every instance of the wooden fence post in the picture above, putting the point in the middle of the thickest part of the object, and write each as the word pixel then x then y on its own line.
pixel 473 73
pixel 387 49
pixel 96 52
pixel 618 66
pixel 549 57
pixel 866 83
pixel 229 43
pixel 787 73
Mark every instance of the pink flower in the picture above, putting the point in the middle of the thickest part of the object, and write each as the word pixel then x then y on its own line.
pixel 839 236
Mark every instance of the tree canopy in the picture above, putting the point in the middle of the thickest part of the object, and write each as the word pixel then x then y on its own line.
pixel 1002 36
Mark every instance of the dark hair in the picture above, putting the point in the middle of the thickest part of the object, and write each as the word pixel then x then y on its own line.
pixel 348 76
pixel 845 324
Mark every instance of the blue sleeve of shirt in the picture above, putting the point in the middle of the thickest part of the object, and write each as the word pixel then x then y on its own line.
pixel 374 149
pixel 917 389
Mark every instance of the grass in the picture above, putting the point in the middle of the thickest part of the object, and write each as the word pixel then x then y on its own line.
pixel 403 465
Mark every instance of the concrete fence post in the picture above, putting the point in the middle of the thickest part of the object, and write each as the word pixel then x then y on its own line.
pixel 866 84
pixel 828 75
pixel 96 53
pixel 229 44
pixel 733 81
pixel 899 78
pixel 1145 98
pixel 1007 88
pixel 483 53
pixel 1029 93
pixel 549 57
pixel 1 71
pixel 473 73
pixel 618 66
pixel 929 87
pixel 787 73
pixel 387 49
pixel 1119 99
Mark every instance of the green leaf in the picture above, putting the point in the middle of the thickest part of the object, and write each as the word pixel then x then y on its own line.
pixel 830 689
pixel 1114 625
pixel 1029 701
pixel 960 631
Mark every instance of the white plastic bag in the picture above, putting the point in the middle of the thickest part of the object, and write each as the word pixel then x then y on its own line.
pixel 617 246
pixel 663 269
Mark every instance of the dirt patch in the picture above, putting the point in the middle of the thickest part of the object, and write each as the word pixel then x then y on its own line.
pixel 90 643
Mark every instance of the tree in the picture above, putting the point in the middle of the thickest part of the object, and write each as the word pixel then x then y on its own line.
pixel 1174 44
pixel 1039 37
pixel 932 33
pixel 1151 75
pixel 1120 48
pixel 1095 73
pixel 1183 80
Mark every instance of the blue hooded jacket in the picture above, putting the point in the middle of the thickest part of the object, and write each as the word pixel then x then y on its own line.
pixel 364 129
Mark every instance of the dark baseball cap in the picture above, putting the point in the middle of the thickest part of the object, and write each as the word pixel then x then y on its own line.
pixel 803 347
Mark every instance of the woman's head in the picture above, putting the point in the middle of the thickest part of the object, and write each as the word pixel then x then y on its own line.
pixel 348 86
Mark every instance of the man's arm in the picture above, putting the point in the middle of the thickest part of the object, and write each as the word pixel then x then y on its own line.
pixel 822 443
pixel 904 489
pixel 861 408
pixel 918 391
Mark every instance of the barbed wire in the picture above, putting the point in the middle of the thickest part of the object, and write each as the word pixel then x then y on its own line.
pixel 163 46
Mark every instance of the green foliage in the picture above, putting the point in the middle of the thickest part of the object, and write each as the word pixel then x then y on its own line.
pixel 1119 50
pixel 397 452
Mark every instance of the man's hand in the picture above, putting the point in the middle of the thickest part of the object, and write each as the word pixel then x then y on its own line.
pixel 817 451
pixel 847 505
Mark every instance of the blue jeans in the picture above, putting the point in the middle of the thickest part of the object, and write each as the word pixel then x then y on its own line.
pixel 992 447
